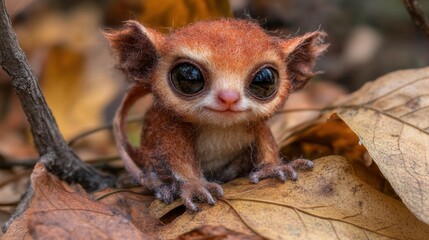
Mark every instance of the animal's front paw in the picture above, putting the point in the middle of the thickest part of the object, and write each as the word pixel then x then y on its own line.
pixel 200 190
pixel 167 192
pixel 281 171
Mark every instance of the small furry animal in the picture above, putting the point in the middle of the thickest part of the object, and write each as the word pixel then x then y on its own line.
pixel 215 83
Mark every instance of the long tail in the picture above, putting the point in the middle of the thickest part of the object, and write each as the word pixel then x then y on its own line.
pixel 126 151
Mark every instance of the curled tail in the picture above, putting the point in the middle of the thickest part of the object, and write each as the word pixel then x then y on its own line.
pixel 126 151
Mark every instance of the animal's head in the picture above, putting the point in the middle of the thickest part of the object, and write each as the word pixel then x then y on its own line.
pixel 219 72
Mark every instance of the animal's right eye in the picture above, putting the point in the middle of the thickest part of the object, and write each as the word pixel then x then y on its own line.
pixel 187 78
pixel 264 84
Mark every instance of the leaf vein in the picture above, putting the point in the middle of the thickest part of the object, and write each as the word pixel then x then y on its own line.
pixel 301 210
pixel 397 89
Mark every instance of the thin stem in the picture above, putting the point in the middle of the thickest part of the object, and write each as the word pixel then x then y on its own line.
pixel 15 178
pixel 8 164
pixel 418 16
pixel 330 219
pixel 101 128
pixel 54 152
pixel 29 163
pixel 114 192
pixel 246 223
pixel 10 204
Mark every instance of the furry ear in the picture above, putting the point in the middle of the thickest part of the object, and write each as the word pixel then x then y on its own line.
pixel 301 53
pixel 136 48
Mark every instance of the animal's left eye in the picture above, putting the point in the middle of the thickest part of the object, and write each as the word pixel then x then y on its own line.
pixel 264 83
pixel 187 79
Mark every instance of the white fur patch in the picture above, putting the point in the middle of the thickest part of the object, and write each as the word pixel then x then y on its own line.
pixel 217 146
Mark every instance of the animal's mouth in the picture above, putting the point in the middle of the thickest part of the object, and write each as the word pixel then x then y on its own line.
pixel 226 110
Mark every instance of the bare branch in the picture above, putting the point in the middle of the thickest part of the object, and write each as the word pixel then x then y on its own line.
pixel 418 16
pixel 54 152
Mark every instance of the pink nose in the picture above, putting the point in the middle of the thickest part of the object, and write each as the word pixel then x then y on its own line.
pixel 228 97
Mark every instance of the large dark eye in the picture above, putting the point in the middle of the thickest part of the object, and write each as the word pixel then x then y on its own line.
pixel 264 84
pixel 187 78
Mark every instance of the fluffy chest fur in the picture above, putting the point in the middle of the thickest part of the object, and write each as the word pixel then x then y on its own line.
pixel 216 147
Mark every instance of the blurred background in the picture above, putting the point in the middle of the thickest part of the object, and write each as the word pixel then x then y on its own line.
pixel 66 49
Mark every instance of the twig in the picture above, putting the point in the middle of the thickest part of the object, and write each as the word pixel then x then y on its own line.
pixel 418 16
pixel 22 206
pixel 98 129
pixel 14 178
pixel 8 164
pixel 29 163
pixel 54 152
pixel 102 159
pixel 114 192
pixel 9 204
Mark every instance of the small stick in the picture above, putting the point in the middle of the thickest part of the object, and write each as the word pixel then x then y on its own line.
pixel 418 16
pixel 54 152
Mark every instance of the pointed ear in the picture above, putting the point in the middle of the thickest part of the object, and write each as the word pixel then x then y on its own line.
pixel 136 49
pixel 301 53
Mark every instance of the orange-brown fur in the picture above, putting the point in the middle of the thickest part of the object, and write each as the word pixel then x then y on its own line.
pixel 185 142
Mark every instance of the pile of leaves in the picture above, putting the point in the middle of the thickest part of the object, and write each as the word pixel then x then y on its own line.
pixel 346 195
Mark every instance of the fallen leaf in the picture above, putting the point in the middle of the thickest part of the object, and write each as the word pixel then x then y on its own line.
pixel 334 137
pixel 58 211
pixel 329 202
pixel 13 8
pixel 14 139
pixel 391 118
pixel 75 67
pixel 215 233
pixel 4 216
pixel 178 13
pixel 13 185
pixel 135 205
pixel 293 118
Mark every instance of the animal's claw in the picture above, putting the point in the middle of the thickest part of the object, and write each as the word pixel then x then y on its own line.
pixel 281 171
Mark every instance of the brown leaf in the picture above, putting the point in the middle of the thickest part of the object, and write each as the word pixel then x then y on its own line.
pixel 329 202
pixel 334 137
pixel 13 8
pixel 59 212
pixel 215 233
pixel 135 205
pixel 391 118
pixel 13 185
pixel 75 67
pixel 289 121
pixel 178 13
pixel 4 216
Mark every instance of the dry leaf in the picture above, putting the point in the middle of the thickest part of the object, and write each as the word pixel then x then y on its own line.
pixel 334 137
pixel 329 202
pixel 4 216
pixel 13 7
pixel 178 13
pixel 12 185
pixel 391 118
pixel 133 204
pixel 59 212
pixel 75 67
pixel 14 142
pixel 316 95
pixel 215 233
